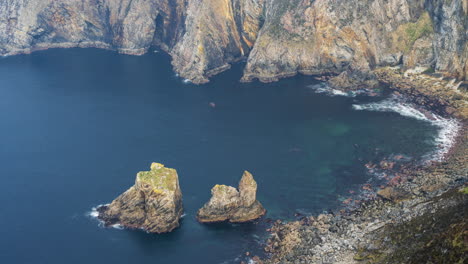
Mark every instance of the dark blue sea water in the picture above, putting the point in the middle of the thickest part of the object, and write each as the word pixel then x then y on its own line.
pixel 77 125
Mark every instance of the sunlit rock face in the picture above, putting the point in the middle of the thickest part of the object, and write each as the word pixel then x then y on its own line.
pixel 229 204
pixel 153 204
pixel 279 38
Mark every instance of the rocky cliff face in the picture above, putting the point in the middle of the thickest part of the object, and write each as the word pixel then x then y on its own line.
pixel 313 37
pixel 279 38
pixel 129 26
pixel 154 203
pixel 229 204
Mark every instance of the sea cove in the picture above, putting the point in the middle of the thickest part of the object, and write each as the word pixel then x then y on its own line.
pixel 78 124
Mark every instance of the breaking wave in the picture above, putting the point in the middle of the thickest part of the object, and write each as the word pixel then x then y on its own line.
pixel 448 128
pixel 326 89
pixel 94 212
pixel 94 215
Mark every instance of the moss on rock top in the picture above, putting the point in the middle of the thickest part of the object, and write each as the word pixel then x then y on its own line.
pixel 159 177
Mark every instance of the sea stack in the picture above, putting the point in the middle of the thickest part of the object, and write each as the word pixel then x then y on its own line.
pixel 229 204
pixel 153 204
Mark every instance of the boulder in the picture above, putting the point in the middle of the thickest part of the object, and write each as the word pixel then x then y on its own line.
pixel 354 80
pixel 153 204
pixel 392 194
pixel 229 204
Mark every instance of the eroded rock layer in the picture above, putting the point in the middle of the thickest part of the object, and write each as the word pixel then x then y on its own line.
pixel 153 204
pixel 229 204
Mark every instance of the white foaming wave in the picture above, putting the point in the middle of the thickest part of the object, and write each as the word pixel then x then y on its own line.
pixel 326 89
pixel 118 226
pixel 94 212
pixel 448 128
pixel 183 215
pixel 393 105
pixel 186 81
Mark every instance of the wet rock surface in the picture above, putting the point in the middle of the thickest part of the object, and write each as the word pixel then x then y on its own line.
pixel 153 204
pixel 229 204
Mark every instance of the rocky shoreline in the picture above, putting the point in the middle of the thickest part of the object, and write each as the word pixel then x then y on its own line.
pixel 351 235
pixel 418 217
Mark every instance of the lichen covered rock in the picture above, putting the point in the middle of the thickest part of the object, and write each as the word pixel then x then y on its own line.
pixel 229 204
pixel 154 203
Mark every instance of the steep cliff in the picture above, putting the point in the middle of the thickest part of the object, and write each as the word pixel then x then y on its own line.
pixel 129 26
pixel 314 37
pixel 279 38
pixel 217 32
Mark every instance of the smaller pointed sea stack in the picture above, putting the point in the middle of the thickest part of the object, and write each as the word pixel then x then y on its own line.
pixel 229 204
pixel 154 203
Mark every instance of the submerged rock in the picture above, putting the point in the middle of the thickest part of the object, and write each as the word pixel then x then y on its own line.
pixel 229 204
pixel 154 203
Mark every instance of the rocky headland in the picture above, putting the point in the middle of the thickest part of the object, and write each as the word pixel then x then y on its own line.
pixel 229 204
pixel 153 204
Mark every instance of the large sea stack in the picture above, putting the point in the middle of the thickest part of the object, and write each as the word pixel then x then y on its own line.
pixel 154 203
pixel 229 204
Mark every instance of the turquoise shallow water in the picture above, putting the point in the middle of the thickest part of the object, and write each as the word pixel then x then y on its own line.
pixel 78 124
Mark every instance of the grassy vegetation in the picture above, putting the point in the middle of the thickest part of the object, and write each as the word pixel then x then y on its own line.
pixel 407 34
pixel 464 190
pixel 159 177
pixel 421 28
